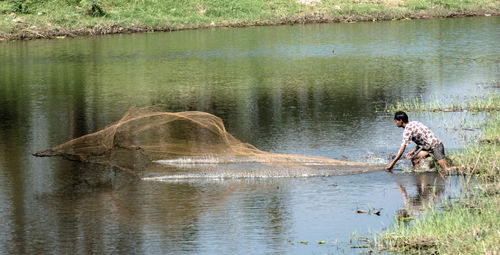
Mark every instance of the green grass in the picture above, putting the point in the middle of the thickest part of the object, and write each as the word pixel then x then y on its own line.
pixel 468 226
pixel 482 159
pixel 476 104
pixel 49 18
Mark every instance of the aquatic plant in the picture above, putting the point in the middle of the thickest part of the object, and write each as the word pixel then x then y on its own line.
pixel 488 103
pixel 482 159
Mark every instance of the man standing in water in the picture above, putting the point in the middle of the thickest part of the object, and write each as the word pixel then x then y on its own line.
pixel 427 142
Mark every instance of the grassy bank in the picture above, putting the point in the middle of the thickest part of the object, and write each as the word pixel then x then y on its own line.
pixel 28 19
pixel 467 226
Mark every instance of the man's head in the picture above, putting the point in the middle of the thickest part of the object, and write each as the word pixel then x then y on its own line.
pixel 401 118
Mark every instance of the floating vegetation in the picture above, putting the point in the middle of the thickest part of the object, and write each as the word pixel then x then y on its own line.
pixel 360 242
pixel 370 211
pixel 306 242
pixel 361 211
pixel 489 84
pixel 361 246
pixel 489 103
pixel 405 219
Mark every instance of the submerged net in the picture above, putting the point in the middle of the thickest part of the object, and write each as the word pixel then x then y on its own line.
pixel 151 143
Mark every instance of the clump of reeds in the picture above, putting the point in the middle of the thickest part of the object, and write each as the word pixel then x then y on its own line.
pixel 476 104
pixel 482 159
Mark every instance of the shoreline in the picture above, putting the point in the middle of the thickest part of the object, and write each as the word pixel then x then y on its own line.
pixel 31 27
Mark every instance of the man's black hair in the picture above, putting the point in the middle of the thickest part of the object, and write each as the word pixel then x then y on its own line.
pixel 400 115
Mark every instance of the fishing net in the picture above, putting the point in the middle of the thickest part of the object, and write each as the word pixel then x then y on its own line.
pixel 149 143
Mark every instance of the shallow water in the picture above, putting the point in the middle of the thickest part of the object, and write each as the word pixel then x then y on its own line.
pixel 279 88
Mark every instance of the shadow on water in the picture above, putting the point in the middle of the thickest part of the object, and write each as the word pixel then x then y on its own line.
pixel 88 177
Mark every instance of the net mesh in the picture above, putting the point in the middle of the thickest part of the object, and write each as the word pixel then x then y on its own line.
pixel 147 137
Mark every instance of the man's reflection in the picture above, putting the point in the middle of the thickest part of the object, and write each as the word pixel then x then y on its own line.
pixel 428 188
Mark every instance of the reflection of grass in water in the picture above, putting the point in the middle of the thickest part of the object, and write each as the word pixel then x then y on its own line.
pixel 489 103
pixel 467 226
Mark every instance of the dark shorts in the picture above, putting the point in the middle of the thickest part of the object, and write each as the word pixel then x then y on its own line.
pixel 437 152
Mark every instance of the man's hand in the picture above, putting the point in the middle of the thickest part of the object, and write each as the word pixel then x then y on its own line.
pixel 398 156
pixel 409 155
pixel 390 166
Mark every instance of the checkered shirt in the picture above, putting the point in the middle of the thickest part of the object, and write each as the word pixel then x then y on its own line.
pixel 420 134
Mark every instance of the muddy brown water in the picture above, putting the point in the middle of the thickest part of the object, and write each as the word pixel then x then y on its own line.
pixel 279 88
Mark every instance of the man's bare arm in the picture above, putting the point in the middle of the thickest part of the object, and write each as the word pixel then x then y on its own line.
pixel 398 156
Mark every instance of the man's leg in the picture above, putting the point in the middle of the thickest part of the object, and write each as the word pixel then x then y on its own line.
pixel 438 153
pixel 444 165
pixel 416 159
